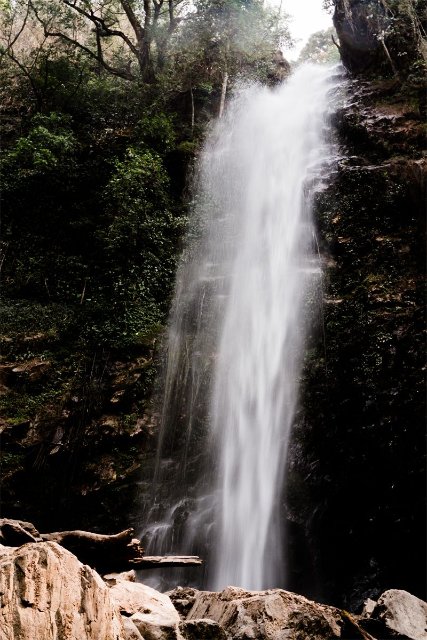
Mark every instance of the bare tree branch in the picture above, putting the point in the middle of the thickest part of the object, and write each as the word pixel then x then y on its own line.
pixel 101 27
pixel 17 35
pixel 98 56
pixel 9 53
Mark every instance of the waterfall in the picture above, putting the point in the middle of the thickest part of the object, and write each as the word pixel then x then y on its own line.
pixel 236 335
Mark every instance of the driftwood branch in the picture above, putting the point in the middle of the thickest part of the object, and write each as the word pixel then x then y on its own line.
pixel 151 562
pixel 106 553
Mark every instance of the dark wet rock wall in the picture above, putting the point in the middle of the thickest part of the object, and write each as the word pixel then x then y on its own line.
pixel 356 494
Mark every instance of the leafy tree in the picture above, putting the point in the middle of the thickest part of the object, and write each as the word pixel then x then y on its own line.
pixel 321 48
pixel 117 35
pixel 49 144
pixel 138 245
pixel 222 39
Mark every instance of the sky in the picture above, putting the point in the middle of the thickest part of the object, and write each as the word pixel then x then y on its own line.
pixel 307 18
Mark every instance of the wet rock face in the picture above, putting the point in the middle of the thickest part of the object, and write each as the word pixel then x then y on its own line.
pixel 356 471
pixel 50 418
pixel 377 37
pixel 356 30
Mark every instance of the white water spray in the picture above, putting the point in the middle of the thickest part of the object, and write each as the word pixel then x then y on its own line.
pixel 237 331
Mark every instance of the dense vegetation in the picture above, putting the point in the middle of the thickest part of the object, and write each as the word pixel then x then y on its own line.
pixel 96 149
pixel 103 107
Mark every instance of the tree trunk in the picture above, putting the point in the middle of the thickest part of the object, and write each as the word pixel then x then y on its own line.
pixel 192 109
pixel 223 94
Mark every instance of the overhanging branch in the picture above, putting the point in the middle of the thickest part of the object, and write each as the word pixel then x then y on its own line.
pixel 102 29
pixel 98 56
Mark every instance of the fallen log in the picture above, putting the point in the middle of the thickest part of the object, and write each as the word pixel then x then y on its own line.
pixel 105 553
pixel 151 562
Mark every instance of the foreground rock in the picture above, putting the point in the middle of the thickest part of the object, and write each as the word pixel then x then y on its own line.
pixel 266 615
pixel 203 629
pixel 149 611
pixel 47 594
pixel 397 612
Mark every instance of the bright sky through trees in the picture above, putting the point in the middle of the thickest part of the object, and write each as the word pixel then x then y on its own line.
pixel 307 17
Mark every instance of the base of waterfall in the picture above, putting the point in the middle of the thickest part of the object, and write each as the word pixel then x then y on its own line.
pixel 46 593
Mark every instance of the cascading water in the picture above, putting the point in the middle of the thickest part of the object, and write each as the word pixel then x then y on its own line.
pixel 236 335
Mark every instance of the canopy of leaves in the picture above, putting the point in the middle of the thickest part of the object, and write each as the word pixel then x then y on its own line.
pixel 320 48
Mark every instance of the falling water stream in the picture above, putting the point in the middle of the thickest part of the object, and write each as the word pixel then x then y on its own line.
pixel 237 332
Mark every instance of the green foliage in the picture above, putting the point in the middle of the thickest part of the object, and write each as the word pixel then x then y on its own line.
pixel 139 246
pixel 320 48
pixel 157 131
pixel 233 36
pixel 11 462
pixel 48 146
pixel 21 319
pixel 137 201
pixel 139 180
pixel 25 406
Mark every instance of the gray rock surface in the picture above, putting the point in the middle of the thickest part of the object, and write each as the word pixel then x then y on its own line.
pixel 150 612
pixel 125 576
pixel 130 630
pixel 270 615
pixel 202 630
pixel 152 627
pixel 401 612
pixel 47 594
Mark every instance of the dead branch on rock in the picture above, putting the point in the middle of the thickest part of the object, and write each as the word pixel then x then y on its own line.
pixel 106 553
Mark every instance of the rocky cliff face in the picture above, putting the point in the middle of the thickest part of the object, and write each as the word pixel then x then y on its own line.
pixel 356 495
pixel 378 37
pixel 73 438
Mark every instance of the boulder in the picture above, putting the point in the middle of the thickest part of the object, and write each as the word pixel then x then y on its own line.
pixel 152 627
pixel 270 615
pixel 202 630
pixel 130 630
pixel 150 611
pixel 400 612
pixel 124 576
pixel 47 594
pixel 183 599
pixel 134 597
